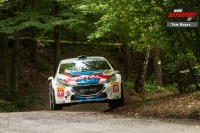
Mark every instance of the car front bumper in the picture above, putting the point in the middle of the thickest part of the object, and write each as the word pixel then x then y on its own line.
pixel 67 95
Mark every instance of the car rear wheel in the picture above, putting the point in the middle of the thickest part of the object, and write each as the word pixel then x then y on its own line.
pixel 53 105
pixel 118 102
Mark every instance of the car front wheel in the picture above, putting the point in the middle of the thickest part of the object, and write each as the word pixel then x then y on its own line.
pixel 118 102
pixel 122 96
pixel 53 105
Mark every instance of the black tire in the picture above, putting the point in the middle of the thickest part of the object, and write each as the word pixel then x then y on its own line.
pixel 113 103
pixel 53 105
pixel 122 96
pixel 118 102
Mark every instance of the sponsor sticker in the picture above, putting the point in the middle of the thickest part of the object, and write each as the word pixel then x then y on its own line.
pixel 60 91
pixel 115 88
pixel 109 72
pixel 114 83
pixel 60 87
pixel 67 94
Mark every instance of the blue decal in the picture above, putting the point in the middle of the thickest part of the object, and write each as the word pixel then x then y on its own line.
pixel 86 81
pixel 92 99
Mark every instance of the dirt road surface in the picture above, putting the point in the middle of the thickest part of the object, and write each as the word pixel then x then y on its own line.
pixel 89 122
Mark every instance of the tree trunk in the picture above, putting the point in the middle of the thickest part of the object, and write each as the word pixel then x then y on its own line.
pixel 56 40
pixel 157 62
pixel 15 65
pixel 178 80
pixel 178 77
pixel 139 84
pixel 125 55
pixel 150 68
pixel 56 48
pixel 34 33
pixel 159 74
pixel 5 61
pixel 33 47
pixel 157 66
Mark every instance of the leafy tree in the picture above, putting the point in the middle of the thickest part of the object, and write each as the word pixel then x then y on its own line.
pixel 126 19
pixel 17 17
pixel 184 41
pixel 37 19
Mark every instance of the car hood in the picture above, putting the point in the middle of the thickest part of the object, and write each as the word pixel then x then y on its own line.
pixel 86 77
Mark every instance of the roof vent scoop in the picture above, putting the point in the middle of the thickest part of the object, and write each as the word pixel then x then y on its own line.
pixel 82 57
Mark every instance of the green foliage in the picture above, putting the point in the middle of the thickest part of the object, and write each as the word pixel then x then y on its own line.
pixel 131 19
pixel 30 102
pixel 128 87
pixel 172 87
pixel 7 106
pixel 175 65
pixel 43 65
pixel 15 101
pixel 190 88
pixel 151 86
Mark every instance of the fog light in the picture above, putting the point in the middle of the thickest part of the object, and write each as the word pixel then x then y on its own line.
pixel 114 95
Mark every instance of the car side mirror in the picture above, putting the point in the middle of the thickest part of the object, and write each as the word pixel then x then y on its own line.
pixel 116 71
pixel 50 78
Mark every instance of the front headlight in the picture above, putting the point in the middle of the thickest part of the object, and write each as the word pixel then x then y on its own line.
pixel 112 78
pixel 60 82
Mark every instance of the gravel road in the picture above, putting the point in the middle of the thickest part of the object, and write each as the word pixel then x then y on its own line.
pixel 89 122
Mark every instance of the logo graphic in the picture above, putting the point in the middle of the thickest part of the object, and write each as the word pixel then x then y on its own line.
pixel 115 88
pixel 183 13
pixel 178 13
pixel 60 93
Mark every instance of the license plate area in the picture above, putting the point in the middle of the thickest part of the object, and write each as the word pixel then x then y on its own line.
pixel 88 90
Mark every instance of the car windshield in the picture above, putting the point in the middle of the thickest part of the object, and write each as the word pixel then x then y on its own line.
pixel 76 67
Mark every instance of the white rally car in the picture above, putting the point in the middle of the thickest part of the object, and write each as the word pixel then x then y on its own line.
pixel 85 80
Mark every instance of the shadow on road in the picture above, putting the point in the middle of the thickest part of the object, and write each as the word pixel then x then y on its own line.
pixel 110 109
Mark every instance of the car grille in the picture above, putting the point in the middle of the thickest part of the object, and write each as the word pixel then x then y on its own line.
pixel 88 90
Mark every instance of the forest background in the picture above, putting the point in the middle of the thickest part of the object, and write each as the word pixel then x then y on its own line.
pixel 159 65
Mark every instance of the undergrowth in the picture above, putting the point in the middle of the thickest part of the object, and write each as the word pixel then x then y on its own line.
pixel 15 101
pixel 44 65
pixel 150 86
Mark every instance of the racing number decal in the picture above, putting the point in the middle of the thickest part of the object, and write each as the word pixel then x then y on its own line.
pixel 60 92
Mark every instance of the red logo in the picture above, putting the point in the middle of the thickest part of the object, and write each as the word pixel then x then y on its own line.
pixel 60 93
pixel 115 88
pixel 178 13
pixel 182 14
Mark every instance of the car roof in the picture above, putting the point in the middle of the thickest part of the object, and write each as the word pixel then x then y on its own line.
pixel 86 58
